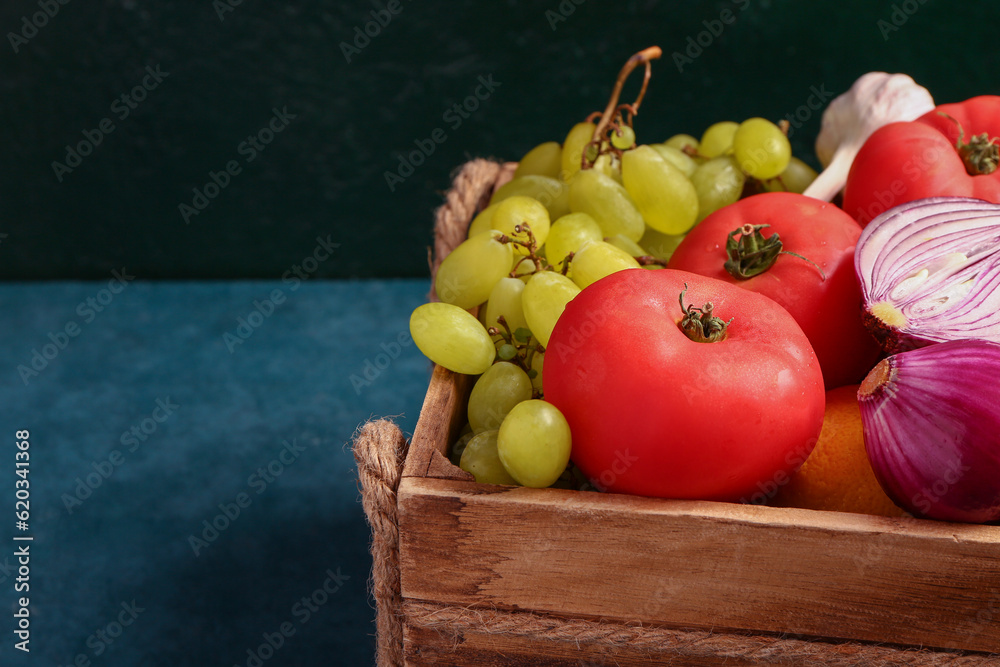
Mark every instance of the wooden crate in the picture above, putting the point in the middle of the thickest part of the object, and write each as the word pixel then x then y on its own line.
pixel 742 571
pixel 494 575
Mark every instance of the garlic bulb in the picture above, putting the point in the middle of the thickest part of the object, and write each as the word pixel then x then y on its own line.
pixel 875 99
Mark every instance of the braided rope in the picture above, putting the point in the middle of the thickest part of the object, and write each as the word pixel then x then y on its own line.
pixel 379 450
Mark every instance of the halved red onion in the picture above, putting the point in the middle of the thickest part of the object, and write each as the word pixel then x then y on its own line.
pixel 929 271
pixel 931 420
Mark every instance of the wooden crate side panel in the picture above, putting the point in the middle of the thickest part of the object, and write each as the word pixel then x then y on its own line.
pixel 442 416
pixel 701 564
pixel 443 412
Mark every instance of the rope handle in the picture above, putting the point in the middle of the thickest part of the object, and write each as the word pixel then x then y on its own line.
pixel 380 447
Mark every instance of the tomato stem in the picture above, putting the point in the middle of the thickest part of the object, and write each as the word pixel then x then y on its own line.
pixel 753 253
pixel 980 154
pixel 700 324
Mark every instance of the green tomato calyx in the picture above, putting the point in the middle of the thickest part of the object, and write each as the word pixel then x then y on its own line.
pixel 700 324
pixel 980 154
pixel 752 253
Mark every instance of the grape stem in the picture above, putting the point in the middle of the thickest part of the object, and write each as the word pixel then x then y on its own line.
pixel 565 262
pixel 525 347
pixel 649 260
pixel 530 244
pixel 645 56
pixel 612 117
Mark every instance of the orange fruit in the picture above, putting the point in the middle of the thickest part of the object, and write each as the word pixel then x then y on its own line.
pixel 837 475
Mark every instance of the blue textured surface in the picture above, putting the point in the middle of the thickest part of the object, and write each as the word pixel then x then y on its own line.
pixel 129 539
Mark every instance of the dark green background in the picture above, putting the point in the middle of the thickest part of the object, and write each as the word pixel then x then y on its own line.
pixel 325 173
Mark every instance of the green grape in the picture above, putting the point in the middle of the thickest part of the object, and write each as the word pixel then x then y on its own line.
pixel 523 268
pixel 517 210
pixel 607 202
pixel 468 273
pixel 761 148
pixel 499 389
pixel 542 160
pixel 482 460
pixel 552 193
pixel 534 443
pixel 483 221
pixel 663 194
pixel 660 245
pixel 718 182
pixel 609 165
pixel 567 234
pixel 544 299
pixel 597 259
pixel 626 244
pixel 676 157
pixel 452 337
pixel 455 455
pixel 572 149
pixel 682 142
pixel 796 177
pixel 505 300
pixel 718 139
pixel 506 351
pixel 623 137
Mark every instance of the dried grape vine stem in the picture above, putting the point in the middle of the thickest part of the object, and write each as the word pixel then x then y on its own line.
pixel 612 112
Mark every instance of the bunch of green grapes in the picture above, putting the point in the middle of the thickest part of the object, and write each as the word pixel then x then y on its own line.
pixel 646 197
pixel 736 160
pixel 499 295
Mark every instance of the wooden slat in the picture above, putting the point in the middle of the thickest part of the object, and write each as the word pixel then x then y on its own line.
pixel 441 418
pixel 425 648
pixel 434 635
pixel 701 564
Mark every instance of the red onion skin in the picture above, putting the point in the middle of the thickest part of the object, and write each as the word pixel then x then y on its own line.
pixel 931 421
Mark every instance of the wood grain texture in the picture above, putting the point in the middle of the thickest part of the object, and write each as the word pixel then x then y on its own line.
pixel 443 635
pixel 426 647
pixel 441 418
pixel 701 564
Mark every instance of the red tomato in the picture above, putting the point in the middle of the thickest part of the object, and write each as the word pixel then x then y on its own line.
pixel 828 309
pixel 904 161
pixel 652 412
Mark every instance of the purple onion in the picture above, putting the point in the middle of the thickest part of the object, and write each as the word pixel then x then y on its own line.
pixel 931 421
pixel 929 271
